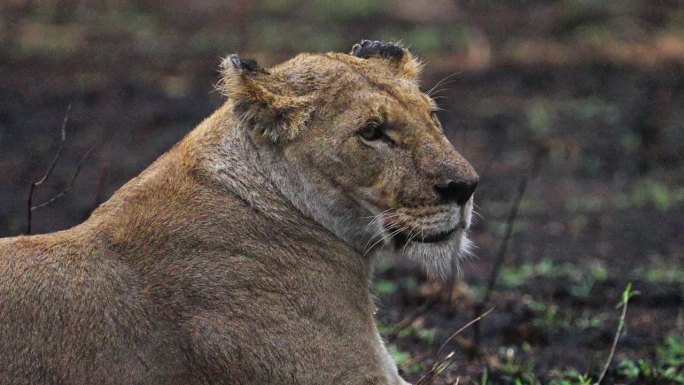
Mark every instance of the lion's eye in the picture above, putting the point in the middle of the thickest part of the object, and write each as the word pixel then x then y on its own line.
pixel 372 131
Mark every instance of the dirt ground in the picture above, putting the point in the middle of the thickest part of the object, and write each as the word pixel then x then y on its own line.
pixel 580 102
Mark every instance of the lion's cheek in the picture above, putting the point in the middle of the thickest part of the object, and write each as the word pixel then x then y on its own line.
pixel 352 165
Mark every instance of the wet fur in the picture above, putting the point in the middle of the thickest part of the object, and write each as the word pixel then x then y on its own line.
pixel 238 257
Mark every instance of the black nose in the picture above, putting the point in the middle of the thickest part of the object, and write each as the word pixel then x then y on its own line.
pixel 456 191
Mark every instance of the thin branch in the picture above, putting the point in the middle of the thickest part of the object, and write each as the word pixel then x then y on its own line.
pixel 457 332
pixel 29 206
pixel 69 186
pixel 510 222
pixel 439 367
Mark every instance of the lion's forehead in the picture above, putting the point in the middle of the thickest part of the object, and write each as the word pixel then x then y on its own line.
pixel 318 72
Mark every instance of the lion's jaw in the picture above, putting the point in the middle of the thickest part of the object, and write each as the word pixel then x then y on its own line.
pixel 435 237
pixel 319 200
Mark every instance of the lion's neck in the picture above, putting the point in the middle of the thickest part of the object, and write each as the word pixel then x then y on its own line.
pixel 324 204
pixel 232 160
pixel 262 176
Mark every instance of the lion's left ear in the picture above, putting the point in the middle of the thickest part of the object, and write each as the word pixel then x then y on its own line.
pixel 401 60
pixel 261 100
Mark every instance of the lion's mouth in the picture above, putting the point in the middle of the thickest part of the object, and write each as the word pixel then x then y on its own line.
pixel 433 238
pixel 404 237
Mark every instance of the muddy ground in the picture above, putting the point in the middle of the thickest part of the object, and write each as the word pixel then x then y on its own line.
pixel 593 94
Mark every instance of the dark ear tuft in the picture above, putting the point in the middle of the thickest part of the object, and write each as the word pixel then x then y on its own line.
pixel 398 57
pixel 367 48
pixel 243 65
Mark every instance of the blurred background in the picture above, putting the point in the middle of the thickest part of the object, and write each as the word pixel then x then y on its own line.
pixel 572 111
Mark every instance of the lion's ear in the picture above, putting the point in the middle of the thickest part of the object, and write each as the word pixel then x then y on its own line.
pixel 399 57
pixel 261 100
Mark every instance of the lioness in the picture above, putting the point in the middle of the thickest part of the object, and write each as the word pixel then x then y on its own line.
pixel 244 254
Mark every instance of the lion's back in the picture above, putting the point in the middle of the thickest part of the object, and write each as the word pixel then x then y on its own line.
pixel 69 315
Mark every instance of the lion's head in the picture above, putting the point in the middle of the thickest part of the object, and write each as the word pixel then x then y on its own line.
pixel 352 142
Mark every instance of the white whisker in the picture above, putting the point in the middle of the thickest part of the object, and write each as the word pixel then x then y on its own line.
pixel 378 214
pixel 378 232
pixel 442 81
pixel 410 238
pixel 387 239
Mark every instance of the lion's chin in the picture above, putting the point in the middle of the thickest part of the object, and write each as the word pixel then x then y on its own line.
pixel 439 256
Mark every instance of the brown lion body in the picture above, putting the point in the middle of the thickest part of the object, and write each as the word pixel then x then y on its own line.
pixel 204 269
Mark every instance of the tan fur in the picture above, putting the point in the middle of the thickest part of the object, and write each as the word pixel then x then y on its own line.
pixel 243 255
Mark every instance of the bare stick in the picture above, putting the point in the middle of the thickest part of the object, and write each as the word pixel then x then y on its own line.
pixel 440 366
pixel 457 332
pixel 47 174
pixel 510 222
pixel 626 295
pixel 69 186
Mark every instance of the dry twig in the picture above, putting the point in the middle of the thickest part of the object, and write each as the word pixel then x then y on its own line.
pixel 30 207
pixel 540 154
pixel 69 186
pixel 440 366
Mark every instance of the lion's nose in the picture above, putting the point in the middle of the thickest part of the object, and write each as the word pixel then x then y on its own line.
pixel 458 191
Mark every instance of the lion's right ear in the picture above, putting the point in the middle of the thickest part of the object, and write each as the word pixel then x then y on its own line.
pixel 405 64
pixel 261 100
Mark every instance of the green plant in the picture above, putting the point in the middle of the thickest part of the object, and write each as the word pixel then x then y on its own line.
pixel 516 367
pixel 583 279
pixel 627 294
pixel 484 379
pixel 658 194
pixel 571 377
pixel 385 287
pixel 400 357
pixel 661 268
pixel 426 334
pixel 668 365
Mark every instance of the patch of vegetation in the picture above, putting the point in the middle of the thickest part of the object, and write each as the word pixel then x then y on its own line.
pixel 385 287
pixel 583 277
pixel 404 360
pixel 667 367
pixel 517 367
pixel 662 268
pixel 429 335
pixel 553 316
pixel 652 193
pixel 571 377
pixel 647 193
pixel 400 357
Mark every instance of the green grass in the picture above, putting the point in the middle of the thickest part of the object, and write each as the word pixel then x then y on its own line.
pixel 659 195
pixel 667 367
pixel 583 277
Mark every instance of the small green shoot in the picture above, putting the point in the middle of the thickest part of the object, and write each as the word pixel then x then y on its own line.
pixel 627 294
